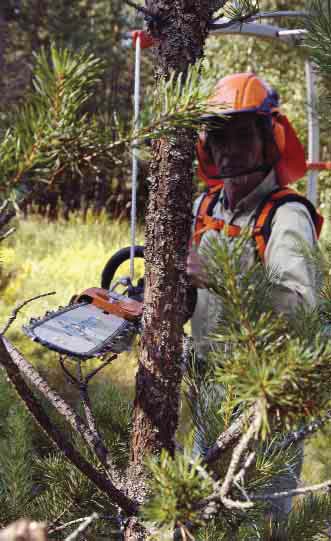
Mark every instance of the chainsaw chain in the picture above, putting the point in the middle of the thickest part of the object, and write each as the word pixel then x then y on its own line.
pixel 115 345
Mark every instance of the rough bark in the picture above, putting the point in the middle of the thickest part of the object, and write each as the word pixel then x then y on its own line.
pixel 181 27
pixel 3 47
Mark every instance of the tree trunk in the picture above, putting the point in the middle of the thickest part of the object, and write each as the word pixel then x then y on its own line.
pixel 181 27
pixel 167 234
pixel 3 47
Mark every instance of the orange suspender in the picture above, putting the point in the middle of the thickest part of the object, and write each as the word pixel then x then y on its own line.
pixel 205 222
pixel 263 216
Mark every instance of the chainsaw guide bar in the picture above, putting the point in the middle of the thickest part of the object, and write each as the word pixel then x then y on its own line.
pixel 98 322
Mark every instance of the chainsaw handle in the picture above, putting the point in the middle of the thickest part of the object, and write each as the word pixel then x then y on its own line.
pixel 122 255
pixel 115 262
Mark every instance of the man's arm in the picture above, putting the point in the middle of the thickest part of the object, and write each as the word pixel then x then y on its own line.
pixel 292 230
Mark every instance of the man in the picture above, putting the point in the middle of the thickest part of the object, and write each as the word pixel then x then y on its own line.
pixel 247 157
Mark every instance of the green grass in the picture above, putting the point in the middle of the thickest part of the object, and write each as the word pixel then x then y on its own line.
pixel 66 257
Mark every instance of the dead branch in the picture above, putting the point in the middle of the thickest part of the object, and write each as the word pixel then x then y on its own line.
pixel 20 306
pixel 6 214
pixel 7 233
pixel 229 438
pixel 89 416
pixel 219 496
pixel 237 454
pixel 16 366
pixel 304 432
pixel 80 520
pixel 83 519
pixel 248 462
pixel 82 527
pixel 62 407
pixel 55 435
pixel 251 433
pixel 326 486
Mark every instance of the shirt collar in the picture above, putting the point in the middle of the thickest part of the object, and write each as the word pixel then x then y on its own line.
pixel 250 202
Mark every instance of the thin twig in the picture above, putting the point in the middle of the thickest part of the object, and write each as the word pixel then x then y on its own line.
pixel 232 22
pixel 79 520
pixel 252 432
pixel 228 438
pixel 294 492
pixel 19 307
pixel 303 433
pixel 241 474
pixel 69 375
pixel 103 365
pixel 139 8
pixel 7 234
pixel 85 398
pixel 52 525
pixel 241 489
pixel 82 527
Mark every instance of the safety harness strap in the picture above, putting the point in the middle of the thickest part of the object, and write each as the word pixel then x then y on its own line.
pixel 267 211
pixel 264 215
pixel 205 210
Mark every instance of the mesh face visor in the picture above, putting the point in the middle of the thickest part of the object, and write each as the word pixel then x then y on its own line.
pixel 217 133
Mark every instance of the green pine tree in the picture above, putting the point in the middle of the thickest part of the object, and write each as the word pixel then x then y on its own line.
pixel 273 375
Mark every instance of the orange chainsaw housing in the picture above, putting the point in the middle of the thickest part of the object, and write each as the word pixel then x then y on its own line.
pixel 122 306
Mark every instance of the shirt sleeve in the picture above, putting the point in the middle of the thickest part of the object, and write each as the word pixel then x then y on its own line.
pixel 292 233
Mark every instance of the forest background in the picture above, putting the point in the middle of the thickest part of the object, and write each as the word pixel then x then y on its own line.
pixel 65 235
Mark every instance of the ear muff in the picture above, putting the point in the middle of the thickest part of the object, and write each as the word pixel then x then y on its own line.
pixel 207 171
pixel 279 134
pixel 292 165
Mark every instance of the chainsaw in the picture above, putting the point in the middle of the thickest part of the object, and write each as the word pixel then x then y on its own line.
pixel 96 321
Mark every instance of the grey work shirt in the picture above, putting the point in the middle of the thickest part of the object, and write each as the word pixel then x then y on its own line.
pixel 291 225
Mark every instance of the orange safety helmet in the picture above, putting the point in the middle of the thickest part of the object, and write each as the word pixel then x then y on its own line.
pixel 246 93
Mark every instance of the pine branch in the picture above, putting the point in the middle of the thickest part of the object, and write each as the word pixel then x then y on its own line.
pixel 55 435
pixel 304 432
pixel 19 308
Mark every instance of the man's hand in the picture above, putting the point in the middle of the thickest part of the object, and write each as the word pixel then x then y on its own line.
pixel 195 269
